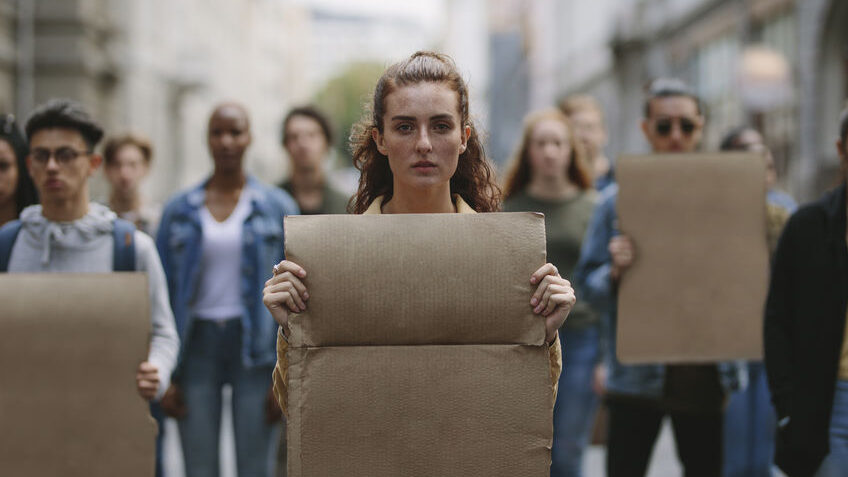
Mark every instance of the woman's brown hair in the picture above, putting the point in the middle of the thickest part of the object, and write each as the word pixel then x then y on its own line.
pixel 474 179
pixel 519 173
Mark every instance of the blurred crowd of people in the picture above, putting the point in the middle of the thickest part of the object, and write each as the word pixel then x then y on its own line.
pixel 210 249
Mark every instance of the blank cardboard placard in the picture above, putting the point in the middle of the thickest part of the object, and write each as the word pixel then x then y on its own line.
pixel 418 353
pixel 69 348
pixel 420 410
pixel 417 278
pixel 696 290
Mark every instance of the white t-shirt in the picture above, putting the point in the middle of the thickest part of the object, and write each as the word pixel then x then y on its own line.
pixel 219 295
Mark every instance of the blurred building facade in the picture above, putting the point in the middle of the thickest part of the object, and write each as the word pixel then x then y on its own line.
pixel 780 65
pixel 156 67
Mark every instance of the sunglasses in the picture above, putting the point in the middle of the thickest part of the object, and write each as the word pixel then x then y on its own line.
pixel 663 126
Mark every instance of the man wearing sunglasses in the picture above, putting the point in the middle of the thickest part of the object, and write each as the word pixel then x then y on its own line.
pixel 640 396
pixel 67 233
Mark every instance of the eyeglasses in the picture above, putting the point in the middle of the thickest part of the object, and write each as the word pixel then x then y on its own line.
pixel 63 155
pixel 663 126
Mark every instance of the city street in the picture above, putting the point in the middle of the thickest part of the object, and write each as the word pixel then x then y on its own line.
pixel 677 165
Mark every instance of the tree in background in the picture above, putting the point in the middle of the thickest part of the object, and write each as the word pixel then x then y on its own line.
pixel 343 99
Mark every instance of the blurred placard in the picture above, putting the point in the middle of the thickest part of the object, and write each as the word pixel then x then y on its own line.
pixel 696 290
pixel 69 348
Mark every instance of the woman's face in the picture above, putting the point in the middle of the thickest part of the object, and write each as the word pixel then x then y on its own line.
pixel 8 172
pixel 549 149
pixel 229 137
pixel 423 135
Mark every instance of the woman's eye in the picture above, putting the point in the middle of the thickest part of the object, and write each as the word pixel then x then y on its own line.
pixel 443 127
pixel 404 127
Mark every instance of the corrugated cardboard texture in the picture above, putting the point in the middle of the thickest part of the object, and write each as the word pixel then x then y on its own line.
pixel 468 410
pixel 69 348
pixel 417 278
pixel 419 354
pixel 696 290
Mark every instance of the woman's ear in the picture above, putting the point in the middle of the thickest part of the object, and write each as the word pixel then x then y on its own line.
pixel 466 134
pixel 378 140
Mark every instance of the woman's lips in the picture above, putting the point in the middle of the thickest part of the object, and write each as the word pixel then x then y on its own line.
pixel 423 165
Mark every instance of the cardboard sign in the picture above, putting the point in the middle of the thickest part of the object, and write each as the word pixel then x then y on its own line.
pixel 69 348
pixel 418 353
pixel 696 290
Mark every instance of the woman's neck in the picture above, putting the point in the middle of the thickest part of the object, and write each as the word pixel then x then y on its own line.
pixel 420 201
pixel 551 188
pixel 227 181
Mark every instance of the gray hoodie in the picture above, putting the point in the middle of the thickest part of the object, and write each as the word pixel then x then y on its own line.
pixel 86 245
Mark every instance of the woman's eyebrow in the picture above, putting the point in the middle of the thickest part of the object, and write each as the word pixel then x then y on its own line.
pixel 412 118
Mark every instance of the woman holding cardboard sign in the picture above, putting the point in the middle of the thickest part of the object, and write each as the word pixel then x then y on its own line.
pixel 420 153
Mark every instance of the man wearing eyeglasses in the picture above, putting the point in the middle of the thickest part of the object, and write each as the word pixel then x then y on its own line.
pixel 68 233
pixel 640 396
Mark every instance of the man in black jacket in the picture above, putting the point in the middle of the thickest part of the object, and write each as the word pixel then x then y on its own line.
pixel 806 353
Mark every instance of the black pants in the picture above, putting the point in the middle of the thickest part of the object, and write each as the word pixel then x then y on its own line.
pixel 633 429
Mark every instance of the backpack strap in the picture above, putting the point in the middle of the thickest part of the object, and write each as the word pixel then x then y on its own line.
pixel 124 253
pixel 8 235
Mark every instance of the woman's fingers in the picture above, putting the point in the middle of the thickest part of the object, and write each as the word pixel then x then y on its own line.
pixel 294 288
pixel 556 297
pixel 564 302
pixel 276 304
pixel 540 299
pixel 283 299
pixel 296 282
pixel 553 298
pixel 287 276
pixel 544 270
pixel 542 276
pixel 289 266
pixel 285 291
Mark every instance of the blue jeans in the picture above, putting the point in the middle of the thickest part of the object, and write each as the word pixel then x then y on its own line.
pixel 576 403
pixel 213 358
pixel 749 426
pixel 836 462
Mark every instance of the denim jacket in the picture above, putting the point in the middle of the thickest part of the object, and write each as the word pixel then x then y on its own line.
pixel 180 242
pixel 592 276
